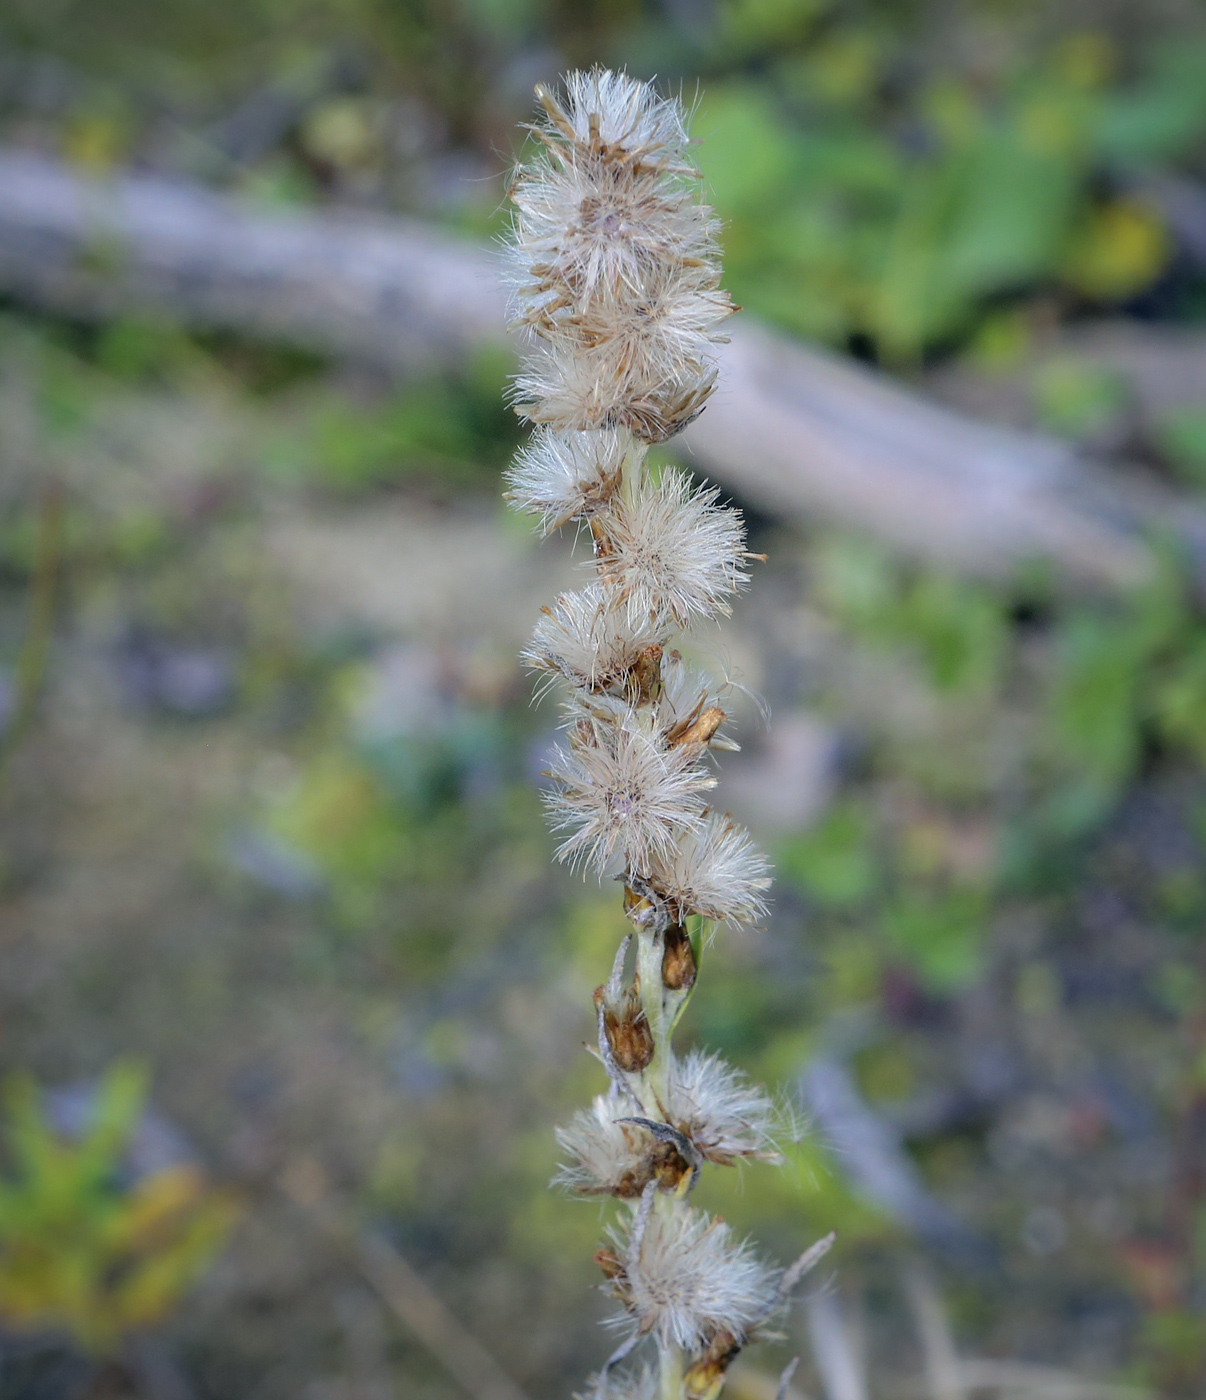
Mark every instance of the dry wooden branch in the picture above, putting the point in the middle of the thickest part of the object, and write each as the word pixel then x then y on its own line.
pixel 792 430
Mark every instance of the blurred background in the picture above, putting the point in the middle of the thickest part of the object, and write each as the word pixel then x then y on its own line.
pixel 290 993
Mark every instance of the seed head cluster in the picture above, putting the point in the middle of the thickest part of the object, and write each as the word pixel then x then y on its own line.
pixel 614 264
pixel 614 274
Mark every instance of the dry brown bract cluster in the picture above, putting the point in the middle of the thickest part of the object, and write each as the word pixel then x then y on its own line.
pixel 615 276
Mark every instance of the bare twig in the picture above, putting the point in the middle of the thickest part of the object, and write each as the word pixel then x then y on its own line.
pixel 943 1376
pixel 1019 1380
pixel 746 1382
pixel 806 1262
pixel 833 1349
pixel 406 1295
pixel 785 1379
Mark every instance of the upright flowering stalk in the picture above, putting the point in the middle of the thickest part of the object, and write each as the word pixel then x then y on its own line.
pixel 615 275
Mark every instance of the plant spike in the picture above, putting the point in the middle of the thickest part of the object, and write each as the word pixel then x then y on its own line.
pixel 615 278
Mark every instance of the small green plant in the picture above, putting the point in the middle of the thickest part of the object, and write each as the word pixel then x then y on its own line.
pixel 84 1249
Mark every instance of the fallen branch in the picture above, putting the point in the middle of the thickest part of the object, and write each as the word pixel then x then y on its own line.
pixel 792 430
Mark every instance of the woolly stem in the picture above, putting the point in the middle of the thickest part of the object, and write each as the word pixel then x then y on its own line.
pixel 670 1373
pixel 653 1002
pixel 633 470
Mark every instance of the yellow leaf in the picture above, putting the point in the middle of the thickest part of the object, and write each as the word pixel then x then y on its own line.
pixel 1122 248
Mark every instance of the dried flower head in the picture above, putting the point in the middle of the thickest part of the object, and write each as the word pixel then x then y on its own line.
pixel 685 709
pixel 609 1153
pixel 560 477
pixel 671 551
pixel 614 264
pixel 590 640
pixel 715 871
pixel 615 194
pixel 685 1277
pixel 619 792
pixel 576 390
pixel 720 1111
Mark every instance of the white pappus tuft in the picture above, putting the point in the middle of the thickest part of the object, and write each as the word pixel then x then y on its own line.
pixel 685 1278
pixel 620 792
pixel 684 706
pixel 579 388
pixel 715 871
pixel 724 1115
pixel 630 1385
pixel 588 638
pixel 614 263
pixel 560 477
pixel 607 1156
pixel 672 551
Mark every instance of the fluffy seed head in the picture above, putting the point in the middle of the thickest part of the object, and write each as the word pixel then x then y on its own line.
pixel 605 1156
pixel 671 551
pixel 689 708
pixel 591 638
pixel 715 871
pixel 560 476
pixel 686 1278
pixel 576 389
pixel 632 1385
pixel 721 1111
pixel 685 706
pixel 613 262
pixel 621 793
pixel 613 196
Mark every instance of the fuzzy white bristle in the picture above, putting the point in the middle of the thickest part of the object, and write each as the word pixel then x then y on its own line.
pixel 631 116
pixel 672 551
pixel 621 792
pixel 715 871
pixel 631 1385
pixel 664 337
pixel 676 703
pixel 603 1155
pixel 725 1115
pixel 589 639
pixel 685 691
pixel 613 261
pixel 559 477
pixel 574 388
pixel 687 1278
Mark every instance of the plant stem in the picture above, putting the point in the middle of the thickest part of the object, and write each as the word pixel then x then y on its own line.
pixel 670 1367
pixel 653 1002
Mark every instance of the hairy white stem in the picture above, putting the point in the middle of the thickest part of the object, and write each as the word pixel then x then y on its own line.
pixel 670 1373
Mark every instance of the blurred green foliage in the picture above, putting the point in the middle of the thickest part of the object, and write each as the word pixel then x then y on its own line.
pixel 1087 695
pixel 901 217
pixel 451 431
pixel 1182 436
pixel 83 1248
